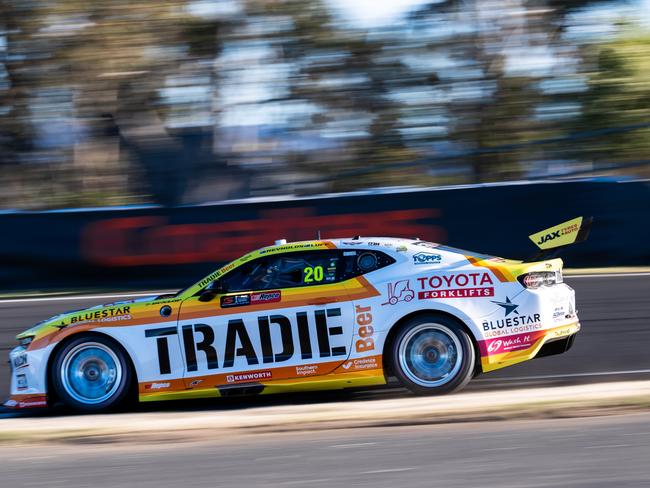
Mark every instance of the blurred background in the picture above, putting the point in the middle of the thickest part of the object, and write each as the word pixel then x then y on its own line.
pixel 165 109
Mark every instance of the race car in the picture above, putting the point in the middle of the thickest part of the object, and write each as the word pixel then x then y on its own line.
pixel 322 314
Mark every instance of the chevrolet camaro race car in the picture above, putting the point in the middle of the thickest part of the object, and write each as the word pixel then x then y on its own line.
pixel 312 315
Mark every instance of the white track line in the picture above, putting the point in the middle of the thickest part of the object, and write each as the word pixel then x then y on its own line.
pixel 570 375
pixel 605 275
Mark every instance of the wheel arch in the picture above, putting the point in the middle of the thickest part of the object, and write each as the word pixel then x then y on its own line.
pixel 396 327
pixel 52 394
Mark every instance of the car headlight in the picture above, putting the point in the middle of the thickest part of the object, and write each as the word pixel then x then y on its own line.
pixel 540 278
pixel 26 341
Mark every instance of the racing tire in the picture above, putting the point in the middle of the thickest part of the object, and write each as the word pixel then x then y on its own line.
pixel 91 373
pixel 432 355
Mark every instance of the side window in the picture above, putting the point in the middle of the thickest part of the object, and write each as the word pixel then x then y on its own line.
pixel 285 271
pixel 360 262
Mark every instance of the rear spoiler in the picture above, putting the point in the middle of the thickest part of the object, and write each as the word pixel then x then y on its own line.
pixel 550 241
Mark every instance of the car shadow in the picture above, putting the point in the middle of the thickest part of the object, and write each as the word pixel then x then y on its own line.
pixel 226 403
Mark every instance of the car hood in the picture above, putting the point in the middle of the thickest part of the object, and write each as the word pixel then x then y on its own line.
pixel 108 312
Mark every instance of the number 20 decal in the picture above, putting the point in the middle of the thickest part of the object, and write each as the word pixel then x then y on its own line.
pixel 313 274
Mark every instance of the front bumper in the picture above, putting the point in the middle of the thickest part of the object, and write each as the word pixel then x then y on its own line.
pixel 28 378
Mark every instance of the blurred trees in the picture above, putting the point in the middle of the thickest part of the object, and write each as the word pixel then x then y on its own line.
pixel 618 74
pixel 88 78
pixel 182 101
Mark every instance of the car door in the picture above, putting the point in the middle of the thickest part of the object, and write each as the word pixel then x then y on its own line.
pixel 276 317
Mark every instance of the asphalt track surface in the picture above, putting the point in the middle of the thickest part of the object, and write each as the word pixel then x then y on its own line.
pixel 596 452
pixel 614 343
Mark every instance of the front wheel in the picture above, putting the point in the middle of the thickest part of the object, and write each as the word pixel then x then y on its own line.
pixel 91 373
pixel 432 354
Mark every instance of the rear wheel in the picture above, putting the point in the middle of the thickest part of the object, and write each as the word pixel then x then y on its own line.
pixel 91 373
pixel 432 354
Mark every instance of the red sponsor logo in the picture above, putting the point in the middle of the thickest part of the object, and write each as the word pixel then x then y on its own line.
pixel 457 293
pixel 266 296
pixel 457 285
pixel 511 343
pixel 244 377
pixel 32 404
pixel 136 241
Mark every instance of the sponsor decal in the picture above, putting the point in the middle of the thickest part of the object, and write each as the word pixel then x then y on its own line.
pixel 233 340
pixel 20 360
pixel 352 243
pixel 521 341
pixel 509 325
pixel 511 343
pixel 117 318
pixel 246 377
pixel 400 291
pixel 28 403
pixel 401 248
pixel 559 314
pixel 235 300
pixel 426 258
pixel 195 383
pixel 157 386
pixel 457 293
pixel 307 370
pixel 456 285
pixel 565 331
pixel 32 403
pixel 508 306
pixel 213 276
pixel 365 330
pixel 509 330
pixel 556 234
pixel 21 382
pixel 430 245
pixel 290 247
pixel 360 364
pixel 105 315
pixel 168 300
pixel 511 322
pixel 266 297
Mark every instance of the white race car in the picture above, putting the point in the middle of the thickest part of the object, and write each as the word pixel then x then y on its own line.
pixel 322 314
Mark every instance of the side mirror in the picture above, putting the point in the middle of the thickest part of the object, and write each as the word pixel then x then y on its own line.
pixel 216 288
pixel 207 295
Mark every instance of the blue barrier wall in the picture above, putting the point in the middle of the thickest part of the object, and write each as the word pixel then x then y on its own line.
pixel 169 247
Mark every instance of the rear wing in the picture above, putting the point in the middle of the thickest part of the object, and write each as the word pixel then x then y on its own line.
pixel 550 241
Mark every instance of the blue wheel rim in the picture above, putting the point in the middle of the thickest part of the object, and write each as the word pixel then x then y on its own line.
pixel 91 373
pixel 430 355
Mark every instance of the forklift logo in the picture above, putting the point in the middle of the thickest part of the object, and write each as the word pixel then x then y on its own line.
pixel 399 291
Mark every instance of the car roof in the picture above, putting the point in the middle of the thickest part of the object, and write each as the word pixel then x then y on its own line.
pixel 389 243
pixel 409 245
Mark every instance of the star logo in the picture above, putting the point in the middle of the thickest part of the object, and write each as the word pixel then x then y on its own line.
pixel 508 306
